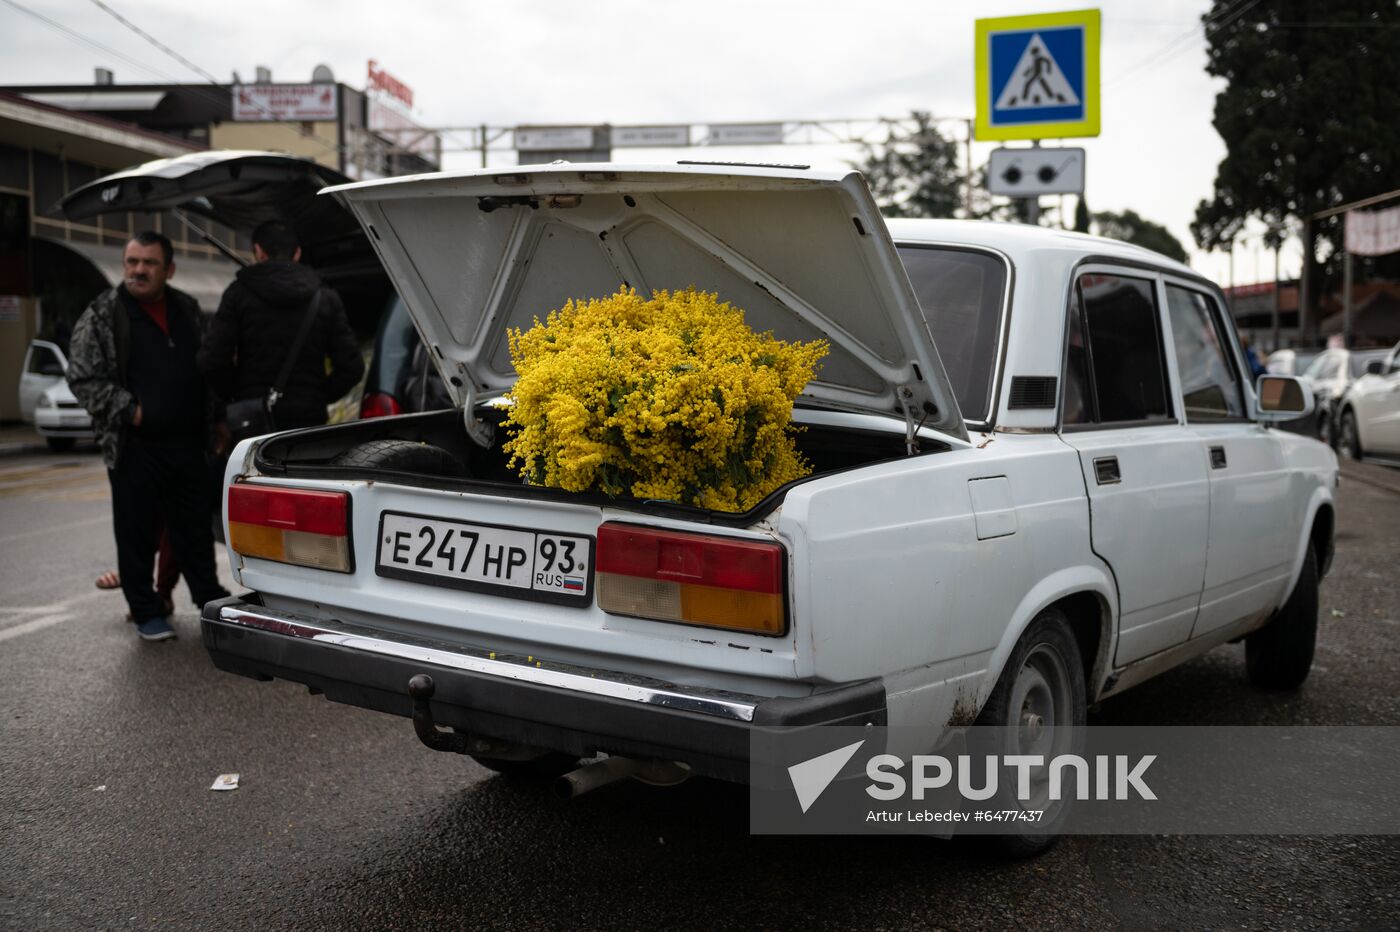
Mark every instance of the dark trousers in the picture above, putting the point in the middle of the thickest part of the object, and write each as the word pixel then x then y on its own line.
pixel 162 481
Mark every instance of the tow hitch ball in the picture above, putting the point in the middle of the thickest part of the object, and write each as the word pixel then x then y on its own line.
pixel 420 690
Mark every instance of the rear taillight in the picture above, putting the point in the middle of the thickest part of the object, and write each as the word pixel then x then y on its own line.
pixel 300 526
pixel 696 579
pixel 379 404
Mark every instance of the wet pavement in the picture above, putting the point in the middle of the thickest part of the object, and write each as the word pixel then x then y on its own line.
pixel 343 820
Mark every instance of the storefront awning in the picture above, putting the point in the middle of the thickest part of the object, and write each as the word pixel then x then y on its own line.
pixel 99 100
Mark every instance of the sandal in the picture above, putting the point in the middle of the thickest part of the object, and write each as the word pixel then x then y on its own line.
pixel 109 580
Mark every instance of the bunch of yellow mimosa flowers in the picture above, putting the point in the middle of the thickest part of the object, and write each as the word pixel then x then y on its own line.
pixel 670 398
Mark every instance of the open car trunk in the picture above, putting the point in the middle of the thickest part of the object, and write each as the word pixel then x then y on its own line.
pixel 805 254
pixel 829 442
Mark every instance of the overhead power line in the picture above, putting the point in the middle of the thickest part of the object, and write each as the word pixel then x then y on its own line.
pixel 92 43
pixel 156 42
pixel 327 146
pixel 1181 43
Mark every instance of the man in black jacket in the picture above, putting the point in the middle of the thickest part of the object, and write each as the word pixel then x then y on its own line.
pixel 257 324
pixel 132 366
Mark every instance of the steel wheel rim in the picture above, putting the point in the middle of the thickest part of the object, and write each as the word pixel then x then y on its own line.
pixel 1042 716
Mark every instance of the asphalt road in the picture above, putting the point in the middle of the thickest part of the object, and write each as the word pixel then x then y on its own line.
pixel 343 820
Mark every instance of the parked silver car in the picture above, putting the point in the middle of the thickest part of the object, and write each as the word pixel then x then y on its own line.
pixel 1368 414
pixel 46 402
pixel 1329 375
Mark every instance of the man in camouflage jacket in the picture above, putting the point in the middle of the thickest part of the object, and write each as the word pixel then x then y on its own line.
pixel 132 366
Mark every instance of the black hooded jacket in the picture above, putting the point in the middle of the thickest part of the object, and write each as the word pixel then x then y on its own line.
pixel 257 322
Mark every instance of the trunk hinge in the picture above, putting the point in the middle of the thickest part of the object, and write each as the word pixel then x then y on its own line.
pixel 482 432
pixel 905 394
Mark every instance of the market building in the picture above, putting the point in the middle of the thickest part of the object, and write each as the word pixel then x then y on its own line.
pixel 56 138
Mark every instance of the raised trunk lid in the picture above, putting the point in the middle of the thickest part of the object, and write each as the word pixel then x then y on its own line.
pixel 805 254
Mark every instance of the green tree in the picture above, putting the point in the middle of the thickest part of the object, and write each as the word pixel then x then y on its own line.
pixel 1139 231
pixel 1310 117
pixel 1081 215
pixel 915 174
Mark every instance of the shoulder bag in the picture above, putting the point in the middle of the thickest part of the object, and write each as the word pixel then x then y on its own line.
pixel 252 417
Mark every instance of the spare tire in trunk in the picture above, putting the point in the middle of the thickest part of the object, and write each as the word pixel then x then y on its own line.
pixel 402 456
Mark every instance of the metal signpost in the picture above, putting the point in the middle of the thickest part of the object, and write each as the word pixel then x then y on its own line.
pixel 1037 77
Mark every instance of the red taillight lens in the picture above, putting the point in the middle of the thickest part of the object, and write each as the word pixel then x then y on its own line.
pixel 379 404
pixel 306 527
pixel 699 579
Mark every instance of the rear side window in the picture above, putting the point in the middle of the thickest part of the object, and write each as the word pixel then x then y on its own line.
pixel 1115 371
pixel 961 294
pixel 1210 387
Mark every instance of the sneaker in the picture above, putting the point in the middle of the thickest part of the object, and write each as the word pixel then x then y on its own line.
pixel 155 629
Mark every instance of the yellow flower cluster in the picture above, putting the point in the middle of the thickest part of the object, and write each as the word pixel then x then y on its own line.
pixel 673 398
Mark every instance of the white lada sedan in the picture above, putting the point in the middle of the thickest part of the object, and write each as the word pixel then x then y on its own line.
pixel 1042 475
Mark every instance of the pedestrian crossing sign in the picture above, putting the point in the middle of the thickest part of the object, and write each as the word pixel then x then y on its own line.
pixel 1038 76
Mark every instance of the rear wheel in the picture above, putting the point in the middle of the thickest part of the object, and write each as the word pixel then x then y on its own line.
pixel 60 444
pixel 1350 438
pixel 1039 703
pixel 1280 654
pixel 401 456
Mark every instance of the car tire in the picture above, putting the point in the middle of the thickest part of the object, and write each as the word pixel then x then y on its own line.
pixel 401 456
pixel 1280 654
pixel 1324 425
pixel 1044 678
pixel 546 767
pixel 1349 439
pixel 60 444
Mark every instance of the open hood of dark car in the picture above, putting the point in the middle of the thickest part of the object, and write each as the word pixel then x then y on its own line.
pixel 241 189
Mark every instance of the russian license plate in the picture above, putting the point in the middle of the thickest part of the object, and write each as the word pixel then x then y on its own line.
pixel 510 561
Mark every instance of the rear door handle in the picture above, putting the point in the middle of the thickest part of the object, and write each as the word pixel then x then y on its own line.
pixel 1217 457
pixel 1106 470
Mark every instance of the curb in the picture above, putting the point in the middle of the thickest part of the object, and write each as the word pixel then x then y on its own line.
pixel 1380 477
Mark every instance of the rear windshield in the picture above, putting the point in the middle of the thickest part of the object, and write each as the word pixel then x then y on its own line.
pixel 961 295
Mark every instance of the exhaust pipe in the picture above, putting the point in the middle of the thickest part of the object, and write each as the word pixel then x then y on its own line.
pixel 611 769
pixel 591 776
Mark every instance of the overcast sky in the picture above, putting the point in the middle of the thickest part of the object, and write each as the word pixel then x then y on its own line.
pixel 626 61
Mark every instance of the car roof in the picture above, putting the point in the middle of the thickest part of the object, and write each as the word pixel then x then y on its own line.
pixel 1019 241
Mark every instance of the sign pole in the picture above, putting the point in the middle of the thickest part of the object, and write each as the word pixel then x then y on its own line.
pixel 1033 202
pixel 968 205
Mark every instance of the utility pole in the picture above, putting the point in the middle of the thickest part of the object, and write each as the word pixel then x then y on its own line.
pixel 1346 300
pixel 1278 300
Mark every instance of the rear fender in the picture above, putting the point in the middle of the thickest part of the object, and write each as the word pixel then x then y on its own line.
pixel 1067 582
